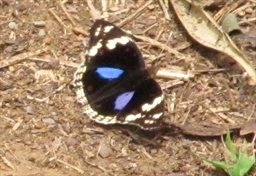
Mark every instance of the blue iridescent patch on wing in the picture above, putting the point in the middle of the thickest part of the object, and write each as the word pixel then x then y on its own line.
pixel 109 72
pixel 123 99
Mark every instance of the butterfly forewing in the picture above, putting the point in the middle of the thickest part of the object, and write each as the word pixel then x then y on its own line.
pixel 114 83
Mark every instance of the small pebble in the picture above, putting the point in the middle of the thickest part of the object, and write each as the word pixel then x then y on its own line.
pixel 70 141
pixel 29 110
pixel 39 23
pixel 249 10
pixel 132 165
pixel 241 13
pixel 151 7
pixel 105 150
pixel 41 32
pixel 13 25
pixel 49 121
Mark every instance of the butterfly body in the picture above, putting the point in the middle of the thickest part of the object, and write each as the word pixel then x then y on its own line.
pixel 113 83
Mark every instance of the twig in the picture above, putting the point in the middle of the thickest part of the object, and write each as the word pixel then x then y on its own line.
pixel 21 57
pixel 165 6
pixel 17 125
pixel 95 14
pixel 104 8
pixel 174 74
pixel 62 62
pixel 78 30
pixel 7 162
pixel 150 27
pixel 227 9
pixel 230 95
pixel 62 5
pixel 221 116
pixel 135 14
pixel 217 70
pixel 186 116
pixel 161 46
pixel 170 84
pixel 96 166
pixel 47 98
pixel 161 31
pixel 57 18
pixel 247 20
pixel 241 8
pixel 71 166
pixel 115 13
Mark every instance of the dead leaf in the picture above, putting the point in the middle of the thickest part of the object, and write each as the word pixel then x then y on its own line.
pixel 230 23
pixel 203 29
pixel 248 127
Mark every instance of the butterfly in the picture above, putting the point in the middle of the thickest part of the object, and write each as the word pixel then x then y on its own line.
pixel 113 83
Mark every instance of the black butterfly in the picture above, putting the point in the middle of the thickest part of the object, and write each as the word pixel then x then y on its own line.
pixel 113 83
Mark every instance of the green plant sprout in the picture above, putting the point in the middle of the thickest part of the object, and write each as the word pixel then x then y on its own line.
pixel 241 162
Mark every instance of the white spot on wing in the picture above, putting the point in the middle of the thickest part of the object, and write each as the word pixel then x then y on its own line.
pixel 149 121
pixel 111 44
pixel 94 49
pixel 147 107
pixel 123 40
pixel 157 116
pixel 132 117
pixel 97 31
pixel 108 29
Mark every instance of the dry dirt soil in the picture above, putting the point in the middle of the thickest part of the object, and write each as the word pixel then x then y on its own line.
pixel 43 131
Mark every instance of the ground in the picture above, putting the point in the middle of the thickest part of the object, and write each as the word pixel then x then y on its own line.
pixel 43 130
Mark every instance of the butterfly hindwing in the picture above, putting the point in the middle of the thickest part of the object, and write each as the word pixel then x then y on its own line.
pixel 113 81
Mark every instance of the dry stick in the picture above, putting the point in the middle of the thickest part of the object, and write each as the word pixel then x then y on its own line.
pixel 7 162
pixel 161 31
pixel 45 99
pixel 134 15
pixel 173 83
pixel 71 166
pixel 96 166
pixel 116 13
pixel 161 46
pixel 57 18
pixel 230 95
pixel 174 74
pixel 104 8
pixel 95 14
pixel 21 57
pixel 247 20
pixel 227 9
pixel 220 115
pixel 62 62
pixel 186 116
pixel 79 30
pixel 210 70
pixel 245 6
pixel 165 6
pixel 62 5
pixel 76 30
pixel 149 28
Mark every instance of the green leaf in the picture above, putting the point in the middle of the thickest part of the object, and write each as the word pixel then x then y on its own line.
pixel 231 147
pixel 243 164
pixel 220 164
